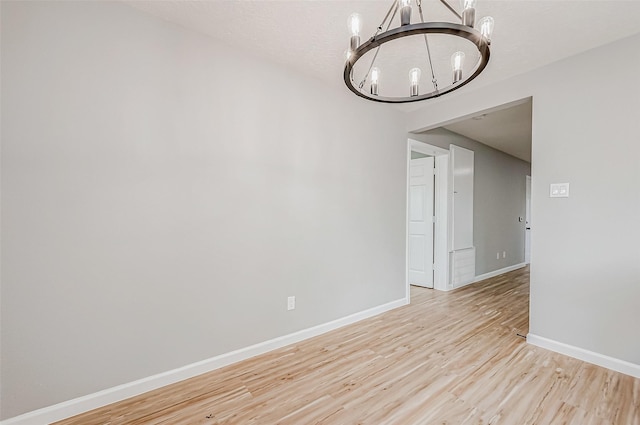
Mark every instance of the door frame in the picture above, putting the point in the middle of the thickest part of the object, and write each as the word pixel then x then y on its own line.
pixel 527 221
pixel 441 211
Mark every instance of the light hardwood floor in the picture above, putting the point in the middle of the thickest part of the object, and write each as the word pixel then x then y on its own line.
pixel 447 358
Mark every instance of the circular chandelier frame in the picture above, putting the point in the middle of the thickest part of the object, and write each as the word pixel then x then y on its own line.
pixel 446 28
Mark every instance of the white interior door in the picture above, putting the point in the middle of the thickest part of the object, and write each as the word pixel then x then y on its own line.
pixel 527 231
pixel 421 222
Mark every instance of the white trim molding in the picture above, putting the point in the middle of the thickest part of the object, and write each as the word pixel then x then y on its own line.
pixel 598 359
pixel 489 274
pixel 498 272
pixel 83 404
pixel 425 148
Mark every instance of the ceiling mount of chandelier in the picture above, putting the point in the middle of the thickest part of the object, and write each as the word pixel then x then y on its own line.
pixel 445 50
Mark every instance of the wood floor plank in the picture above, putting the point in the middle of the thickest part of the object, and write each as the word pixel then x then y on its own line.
pixel 447 358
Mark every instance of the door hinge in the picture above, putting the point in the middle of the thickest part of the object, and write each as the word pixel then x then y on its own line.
pixel 434 219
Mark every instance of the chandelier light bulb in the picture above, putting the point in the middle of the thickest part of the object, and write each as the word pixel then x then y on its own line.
pixel 375 76
pixel 468 12
pixel 414 79
pixel 405 12
pixel 486 27
pixel 457 62
pixel 466 4
pixel 355 26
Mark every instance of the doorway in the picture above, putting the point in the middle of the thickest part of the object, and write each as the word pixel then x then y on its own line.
pixel 427 233
pixel 505 128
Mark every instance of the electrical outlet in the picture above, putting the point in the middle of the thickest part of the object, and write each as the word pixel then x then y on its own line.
pixel 504 254
pixel 291 303
pixel 497 255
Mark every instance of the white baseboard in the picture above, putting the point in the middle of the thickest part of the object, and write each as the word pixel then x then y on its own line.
pixel 121 392
pixel 488 275
pixel 598 359
pixel 498 272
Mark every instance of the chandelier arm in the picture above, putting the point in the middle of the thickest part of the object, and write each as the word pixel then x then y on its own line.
pixel 394 4
pixel 426 42
pixel 451 9
pixel 434 80
pixel 395 11
pixel 394 7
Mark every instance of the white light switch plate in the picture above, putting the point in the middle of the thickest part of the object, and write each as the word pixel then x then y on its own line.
pixel 559 190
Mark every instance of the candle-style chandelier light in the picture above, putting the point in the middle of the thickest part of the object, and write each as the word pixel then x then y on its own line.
pixel 446 49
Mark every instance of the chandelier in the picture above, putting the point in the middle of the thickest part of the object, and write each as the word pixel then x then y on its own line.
pixel 445 49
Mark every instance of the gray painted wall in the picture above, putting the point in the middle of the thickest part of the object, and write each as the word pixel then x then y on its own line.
pixel 585 256
pixel 499 199
pixel 163 194
pixel 417 155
